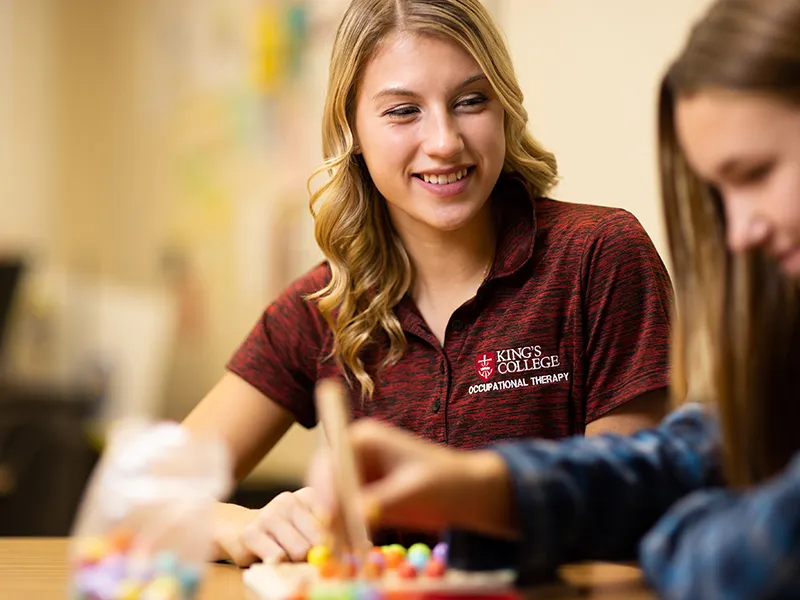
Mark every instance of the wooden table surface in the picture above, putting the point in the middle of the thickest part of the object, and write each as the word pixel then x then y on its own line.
pixel 36 569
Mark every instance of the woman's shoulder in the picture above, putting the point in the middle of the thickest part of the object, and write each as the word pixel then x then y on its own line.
pixel 610 230
pixel 576 216
pixel 311 281
pixel 294 299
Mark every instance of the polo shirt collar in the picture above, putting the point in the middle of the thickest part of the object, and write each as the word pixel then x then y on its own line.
pixel 516 231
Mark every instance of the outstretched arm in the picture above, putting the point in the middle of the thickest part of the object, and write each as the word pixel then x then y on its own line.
pixel 594 498
pixel 729 545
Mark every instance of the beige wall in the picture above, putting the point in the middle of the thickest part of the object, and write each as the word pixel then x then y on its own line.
pixel 27 69
pixel 590 71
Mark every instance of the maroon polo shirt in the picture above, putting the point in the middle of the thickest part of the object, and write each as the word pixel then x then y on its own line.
pixel 572 322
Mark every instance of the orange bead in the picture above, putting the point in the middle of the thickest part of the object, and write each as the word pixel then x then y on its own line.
pixel 347 569
pixel 371 570
pixel 406 571
pixel 393 559
pixel 121 539
pixel 329 569
pixel 434 568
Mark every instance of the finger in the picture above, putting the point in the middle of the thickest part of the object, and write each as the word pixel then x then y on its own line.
pixel 240 554
pixel 311 499
pixel 306 524
pixel 293 543
pixel 260 543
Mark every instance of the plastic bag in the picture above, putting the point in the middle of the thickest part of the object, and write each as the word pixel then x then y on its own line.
pixel 143 530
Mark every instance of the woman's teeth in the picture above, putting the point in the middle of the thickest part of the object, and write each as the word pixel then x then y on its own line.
pixel 442 179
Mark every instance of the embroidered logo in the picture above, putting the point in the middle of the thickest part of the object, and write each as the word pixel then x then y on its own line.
pixel 484 364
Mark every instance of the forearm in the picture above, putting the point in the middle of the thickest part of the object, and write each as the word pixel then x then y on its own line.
pixel 595 498
pixel 488 504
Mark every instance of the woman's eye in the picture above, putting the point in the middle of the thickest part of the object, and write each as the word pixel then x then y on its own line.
pixel 753 175
pixel 402 112
pixel 472 101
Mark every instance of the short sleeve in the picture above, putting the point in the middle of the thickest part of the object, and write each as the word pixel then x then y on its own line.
pixel 280 355
pixel 627 310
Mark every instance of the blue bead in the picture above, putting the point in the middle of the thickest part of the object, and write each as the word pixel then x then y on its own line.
pixel 166 563
pixel 366 591
pixel 190 580
pixel 418 560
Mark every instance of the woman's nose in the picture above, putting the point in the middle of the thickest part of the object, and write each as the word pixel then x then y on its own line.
pixel 442 137
pixel 746 227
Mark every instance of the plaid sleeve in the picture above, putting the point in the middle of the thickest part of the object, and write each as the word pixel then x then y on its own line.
pixel 729 545
pixel 594 498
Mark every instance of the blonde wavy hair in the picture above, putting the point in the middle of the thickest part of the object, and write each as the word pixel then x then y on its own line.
pixel 370 268
pixel 736 338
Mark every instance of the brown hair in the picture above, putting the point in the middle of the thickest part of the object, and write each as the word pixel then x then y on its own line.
pixel 736 338
pixel 370 270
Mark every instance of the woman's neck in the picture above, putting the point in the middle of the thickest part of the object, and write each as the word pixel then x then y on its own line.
pixel 447 262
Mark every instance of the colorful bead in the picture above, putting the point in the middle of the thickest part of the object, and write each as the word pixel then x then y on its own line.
pixel 120 539
pixel 91 550
pixel 140 567
pixel 406 570
pixel 371 570
pixel 116 568
pixel 190 577
pixel 435 568
pixel 393 559
pixel 418 556
pixel 329 569
pixel 378 558
pixel 128 590
pixel 317 555
pixel 364 591
pixel 440 551
pixel 166 563
pixel 348 567
pixel 93 582
pixel 163 587
pixel 113 565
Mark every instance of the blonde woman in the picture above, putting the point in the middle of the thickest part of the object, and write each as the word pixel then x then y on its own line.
pixel 710 499
pixel 457 300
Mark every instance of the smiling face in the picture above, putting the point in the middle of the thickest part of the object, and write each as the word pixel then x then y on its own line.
pixel 431 131
pixel 748 148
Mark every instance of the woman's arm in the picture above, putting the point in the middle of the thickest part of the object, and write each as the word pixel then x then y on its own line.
pixel 594 498
pixel 729 545
pixel 252 424
pixel 643 412
pixel 249 422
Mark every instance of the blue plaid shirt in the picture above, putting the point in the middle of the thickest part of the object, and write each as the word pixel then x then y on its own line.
pixel 659 495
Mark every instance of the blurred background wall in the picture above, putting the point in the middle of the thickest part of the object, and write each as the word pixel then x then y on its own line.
pixel 153 164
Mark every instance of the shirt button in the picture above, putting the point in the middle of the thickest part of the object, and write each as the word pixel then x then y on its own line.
pixel 437 404
pixel 458 325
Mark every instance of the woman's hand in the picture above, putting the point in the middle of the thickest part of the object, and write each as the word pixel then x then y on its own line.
pixel 285 529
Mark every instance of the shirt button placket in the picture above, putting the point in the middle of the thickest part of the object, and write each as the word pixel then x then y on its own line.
pixel 437 402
